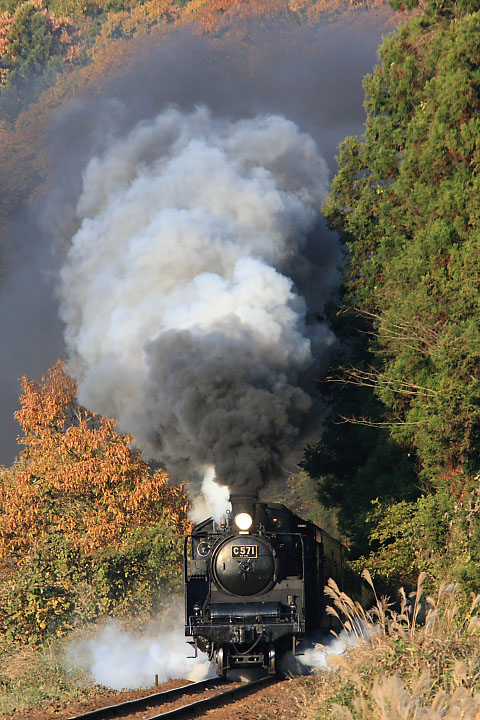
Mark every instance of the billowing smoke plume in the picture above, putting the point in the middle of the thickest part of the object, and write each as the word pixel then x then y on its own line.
pixel 183 318
pixel 312 74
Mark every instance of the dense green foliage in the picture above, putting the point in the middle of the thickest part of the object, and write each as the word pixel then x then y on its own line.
pixel 30 41
pixel 34 55
pixel 435 535
pixel 61 585
pixel 358 464
pixel 406 201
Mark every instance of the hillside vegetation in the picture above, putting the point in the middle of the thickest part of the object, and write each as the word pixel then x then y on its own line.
pixel 406 394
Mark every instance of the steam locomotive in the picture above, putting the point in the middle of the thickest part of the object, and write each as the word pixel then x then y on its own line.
pixel 254 584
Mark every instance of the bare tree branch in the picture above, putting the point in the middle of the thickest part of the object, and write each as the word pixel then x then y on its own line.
pixel 372 423
pixel 374 378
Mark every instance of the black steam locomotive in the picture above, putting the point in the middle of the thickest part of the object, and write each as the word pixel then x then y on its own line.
pixel 254 583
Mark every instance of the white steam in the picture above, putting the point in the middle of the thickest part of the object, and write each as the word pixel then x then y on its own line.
pixel 213 500
pixel 316 657
pixel 120 659
pixel 182 318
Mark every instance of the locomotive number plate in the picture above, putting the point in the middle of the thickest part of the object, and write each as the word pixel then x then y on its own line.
pixel 241 551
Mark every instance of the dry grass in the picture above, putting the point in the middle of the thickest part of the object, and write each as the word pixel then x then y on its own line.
pixel 32 677
pixel 419 662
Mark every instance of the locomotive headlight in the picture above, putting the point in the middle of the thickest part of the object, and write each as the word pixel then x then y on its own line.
pixel 243 521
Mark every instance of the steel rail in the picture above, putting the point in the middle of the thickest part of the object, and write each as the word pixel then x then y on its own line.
pixel 112 711
pixel 187 711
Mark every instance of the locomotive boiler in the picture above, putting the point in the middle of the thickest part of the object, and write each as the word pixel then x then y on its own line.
pixel 254 583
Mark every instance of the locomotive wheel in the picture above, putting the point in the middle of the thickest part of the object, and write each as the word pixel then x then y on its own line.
pixel 222 662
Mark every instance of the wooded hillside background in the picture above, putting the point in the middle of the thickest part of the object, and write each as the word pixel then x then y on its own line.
pixel 86 527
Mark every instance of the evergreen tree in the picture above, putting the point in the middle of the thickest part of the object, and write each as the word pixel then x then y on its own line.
pixel 406 202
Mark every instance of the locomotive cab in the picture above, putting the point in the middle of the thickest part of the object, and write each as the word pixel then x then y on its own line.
pixel 254 584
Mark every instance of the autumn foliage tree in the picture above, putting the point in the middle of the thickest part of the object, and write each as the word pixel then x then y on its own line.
pixel 85 526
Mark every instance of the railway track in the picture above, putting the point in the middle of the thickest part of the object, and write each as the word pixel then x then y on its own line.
pixel 151 702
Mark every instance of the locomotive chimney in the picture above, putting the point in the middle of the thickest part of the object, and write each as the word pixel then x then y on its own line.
pixel 243 504
pixel 243 511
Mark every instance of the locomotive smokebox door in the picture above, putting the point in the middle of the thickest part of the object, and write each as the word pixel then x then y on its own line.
pixel 245 565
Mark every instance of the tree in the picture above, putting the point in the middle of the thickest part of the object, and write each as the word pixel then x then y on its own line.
pixel 404 427
pixel 34 47
pixel 84 522
pixel 405 201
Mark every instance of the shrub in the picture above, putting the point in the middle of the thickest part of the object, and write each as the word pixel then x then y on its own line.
pixel 400 667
